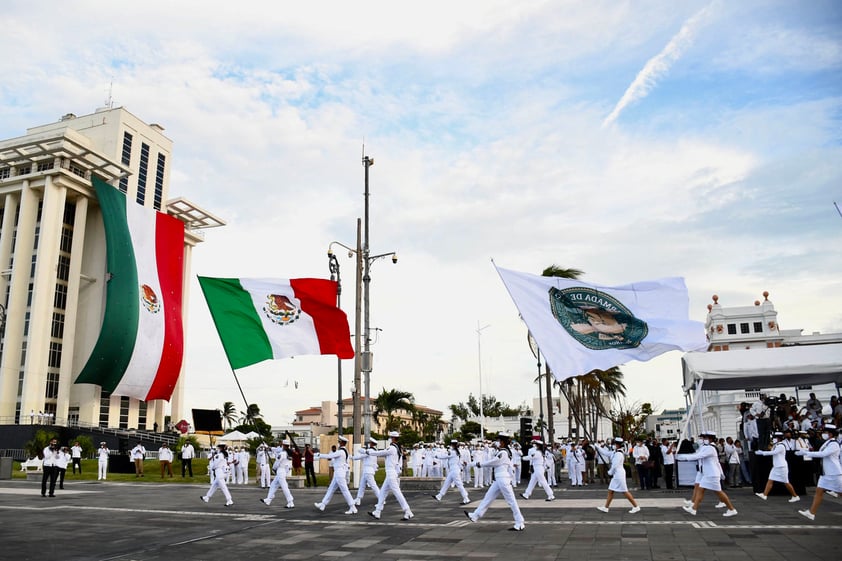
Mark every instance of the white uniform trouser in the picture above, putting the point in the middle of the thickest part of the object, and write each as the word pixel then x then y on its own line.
pixel 219 483
pixel 367 481
pixel 478 480
pixel 454 477
pixel 340 481
pixel 518 473
pixel 550 467
pixel 280 481
pixel 466 474
pixel 243 473
pixel 102 469
pixel 538 479
pixel 503 487
pixel 265 475
pixel 575 472
pixel 391 484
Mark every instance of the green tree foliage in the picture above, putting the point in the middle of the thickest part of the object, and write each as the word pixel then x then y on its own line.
pixel 86 444
pixel 42 438
pixel 491 407
pixel 229 413
pixel 390 402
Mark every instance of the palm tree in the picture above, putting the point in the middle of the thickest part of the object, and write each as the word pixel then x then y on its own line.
pixel 391 401
pixel 229 413
pixel 587 398
pixel 250 414
pixel 560 272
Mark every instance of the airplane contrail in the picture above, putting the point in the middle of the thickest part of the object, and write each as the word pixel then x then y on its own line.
pixel 658 65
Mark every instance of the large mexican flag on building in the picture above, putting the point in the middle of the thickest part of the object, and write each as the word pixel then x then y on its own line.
pixel 141 342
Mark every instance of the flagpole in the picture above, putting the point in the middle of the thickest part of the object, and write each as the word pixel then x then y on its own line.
pixel 240 388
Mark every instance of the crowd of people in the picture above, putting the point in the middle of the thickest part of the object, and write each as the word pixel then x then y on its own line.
pixel 804 448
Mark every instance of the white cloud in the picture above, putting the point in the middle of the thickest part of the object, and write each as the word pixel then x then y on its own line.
pixel 484 120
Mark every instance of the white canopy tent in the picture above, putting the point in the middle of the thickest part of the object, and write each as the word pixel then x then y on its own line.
pixel 764 368
pixel 760 368
pixel 234 436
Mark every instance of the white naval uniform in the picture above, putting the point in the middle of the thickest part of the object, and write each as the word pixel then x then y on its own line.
pixel 465 456
pixel 454 474
pixel 281 468
pixel 617 471
pixel 478 457
pixel 831 478
pixel 710 472
pixel 243 466
pixel 780 469
pixel 339 463
pixel 263 471
pixel 549 467
pixel 102 463
pixel 391 484
pixel 219 467
pixel 501 462
pixel 517 464
pixel 536 460
pixel 369 468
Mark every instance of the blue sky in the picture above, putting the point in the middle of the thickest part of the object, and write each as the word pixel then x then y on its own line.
pixel 632 140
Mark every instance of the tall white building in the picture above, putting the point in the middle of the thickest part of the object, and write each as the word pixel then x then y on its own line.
pixel 739 328
pixel 52 261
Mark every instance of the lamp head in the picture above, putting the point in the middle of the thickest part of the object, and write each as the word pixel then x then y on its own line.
pixel 329 252
pixel 394 258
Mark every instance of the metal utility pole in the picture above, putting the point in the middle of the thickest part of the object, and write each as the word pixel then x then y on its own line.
pixel 366 356
pixel 333 266
pixel 479 368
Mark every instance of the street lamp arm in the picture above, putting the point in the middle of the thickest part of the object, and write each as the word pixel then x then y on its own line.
pixel 351 251
pixel 392 253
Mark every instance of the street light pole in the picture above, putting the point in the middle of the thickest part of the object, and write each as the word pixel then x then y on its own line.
pixel 479 368
pixel 333 266
pixel 366 357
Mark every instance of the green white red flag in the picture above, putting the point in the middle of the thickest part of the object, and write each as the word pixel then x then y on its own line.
pixel 141 342
pixel 264 319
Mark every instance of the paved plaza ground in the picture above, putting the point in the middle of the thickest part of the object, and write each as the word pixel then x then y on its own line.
pixel 150 521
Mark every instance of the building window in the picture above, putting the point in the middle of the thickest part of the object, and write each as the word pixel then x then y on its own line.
pixel 124 412
pixel 44 166
pixel 76 169
pixel 126 159
pixel 104 407
pixel 66 239
pixel 60 300
pixel 744 328
pixel 159 182
pixel 141 415
pixel 63 269
pixel 141 173
pixel 52 385
pixel 57 331
pixel 54 359
pixel 758 327
pixel 732 329
pixel 23 170
pixel 5 173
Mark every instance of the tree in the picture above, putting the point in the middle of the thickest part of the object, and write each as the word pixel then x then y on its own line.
pixel 587 394
pixel 630 419
pixel 491 407
pixel 229 413
pixel 42 438
pixel 391 401
pixel 251 414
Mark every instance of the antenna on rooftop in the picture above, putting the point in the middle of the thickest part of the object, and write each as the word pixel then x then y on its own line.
pixel 109 101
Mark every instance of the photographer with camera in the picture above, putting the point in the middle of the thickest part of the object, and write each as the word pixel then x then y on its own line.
pixel 50 467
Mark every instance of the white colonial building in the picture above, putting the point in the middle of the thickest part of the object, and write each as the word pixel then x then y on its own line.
pixel 52 262
pixel 740 328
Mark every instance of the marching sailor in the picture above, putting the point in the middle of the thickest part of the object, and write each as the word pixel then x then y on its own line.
pixel 780 469
pixel 617 472
pixel 391 484
pixel 501 462
pixel 339 463
pixel 219 466
pixel 536 461
pixel 831 479
pixel 282 468
pixel 454 472
pixel 710 474
pixel 263 471
pixel 369 468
